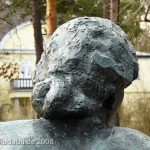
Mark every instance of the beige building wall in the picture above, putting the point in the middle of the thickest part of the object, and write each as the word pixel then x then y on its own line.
pixel 142 84
pixel 16 47
pixel 8 96
pixel 140 87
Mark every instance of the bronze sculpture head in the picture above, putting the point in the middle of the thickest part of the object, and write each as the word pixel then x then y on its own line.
pixel 83 71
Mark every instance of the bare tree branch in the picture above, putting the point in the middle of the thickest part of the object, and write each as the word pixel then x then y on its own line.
pixel 146 15
pixel 8 22
pixel 7 6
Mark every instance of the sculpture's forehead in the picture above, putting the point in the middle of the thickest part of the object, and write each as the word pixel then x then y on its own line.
pixel 64 47
pixel 79 34
pixel 102 42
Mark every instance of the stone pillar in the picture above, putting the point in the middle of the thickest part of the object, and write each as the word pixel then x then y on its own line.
pixel 16 108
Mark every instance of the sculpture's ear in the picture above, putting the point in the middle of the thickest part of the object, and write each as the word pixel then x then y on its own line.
pixel 111 105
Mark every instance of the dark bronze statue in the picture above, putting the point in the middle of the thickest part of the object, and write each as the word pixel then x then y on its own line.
pixel 78 86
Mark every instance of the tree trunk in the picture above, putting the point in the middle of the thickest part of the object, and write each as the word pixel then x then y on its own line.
pixel 51 17
pixel 114 11
pixel 106 9
pixel 36 17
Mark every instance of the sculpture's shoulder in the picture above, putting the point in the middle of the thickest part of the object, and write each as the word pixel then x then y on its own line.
pixel 26 134
pixel 124 139
pixel 42 134
pixel 25 127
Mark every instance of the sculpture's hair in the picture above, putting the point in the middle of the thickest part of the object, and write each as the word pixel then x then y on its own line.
pixel 97 41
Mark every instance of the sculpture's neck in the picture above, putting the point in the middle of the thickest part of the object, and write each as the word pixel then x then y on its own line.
pixel 84 124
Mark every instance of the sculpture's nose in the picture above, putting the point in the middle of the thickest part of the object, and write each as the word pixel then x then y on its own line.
pixel 50 95
pixel 57 95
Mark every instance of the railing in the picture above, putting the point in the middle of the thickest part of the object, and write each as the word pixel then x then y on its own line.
pixel 21 83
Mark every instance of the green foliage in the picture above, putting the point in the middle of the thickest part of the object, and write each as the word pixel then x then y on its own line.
pixel 13 12
pixel 69 9
pixel 24 6
pixel 130 11
pixel 18 11
pixel 130 17
pixel 90 8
